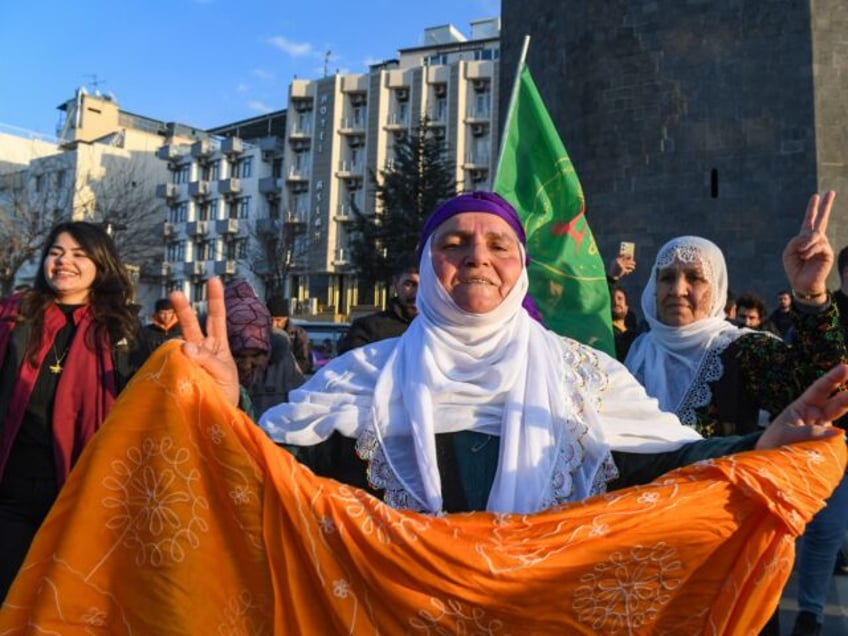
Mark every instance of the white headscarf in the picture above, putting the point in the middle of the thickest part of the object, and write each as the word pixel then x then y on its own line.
pixel 500 373
pixel 674 364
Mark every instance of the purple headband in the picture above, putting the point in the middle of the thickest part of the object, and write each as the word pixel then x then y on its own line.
pixel 248 319
pixel 473 202
pixel 481 201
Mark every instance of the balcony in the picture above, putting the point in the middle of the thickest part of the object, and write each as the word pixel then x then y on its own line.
pixel 227 226
pixel 296 173
pixel 295 218
pixel 478 116
pixel 477 160
pixel 396 121
pixel 167 191
pixel 268 227
pixel 226 268
pixel 198 189
pixel 300 103
pixel 348 169
pixel 168 152
pixel 352 125
pixel 203 149
pixel 345 214
pixel 300 132
pixel 197 228
pixel 342 257
pixel 229 187
pixel 271 187
pixel 232 146
pixel 195 269
pixel 270 147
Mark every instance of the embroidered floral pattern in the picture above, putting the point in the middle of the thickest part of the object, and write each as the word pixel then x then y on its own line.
pixel 583 372
pixel 626 592
pixel 454 617
pixel 156 506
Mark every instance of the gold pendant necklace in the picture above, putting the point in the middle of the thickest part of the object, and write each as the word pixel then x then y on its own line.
pixel 56 367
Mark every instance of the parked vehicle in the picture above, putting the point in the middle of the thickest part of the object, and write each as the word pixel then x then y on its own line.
pixel 324 337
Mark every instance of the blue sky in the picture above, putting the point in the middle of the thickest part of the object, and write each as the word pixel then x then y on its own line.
pixel 198 62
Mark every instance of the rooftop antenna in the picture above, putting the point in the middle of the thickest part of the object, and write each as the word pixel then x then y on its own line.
pixel 327 60
pixel 94 82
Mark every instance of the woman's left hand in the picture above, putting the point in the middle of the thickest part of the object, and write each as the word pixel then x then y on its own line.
pixel 810 416
pixel 808 257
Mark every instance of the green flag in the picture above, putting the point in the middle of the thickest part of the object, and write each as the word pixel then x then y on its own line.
pixel 567 278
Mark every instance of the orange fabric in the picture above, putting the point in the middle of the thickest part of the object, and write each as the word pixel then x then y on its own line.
pixel 181 517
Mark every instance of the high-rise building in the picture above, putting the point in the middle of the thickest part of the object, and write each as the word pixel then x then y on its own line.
pixel 342 128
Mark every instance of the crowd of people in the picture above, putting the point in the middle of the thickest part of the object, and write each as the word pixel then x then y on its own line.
pixel 456 398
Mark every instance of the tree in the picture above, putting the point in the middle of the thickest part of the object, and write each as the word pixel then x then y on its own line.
pixel 23 226
pixel 419 178
pixel 124 201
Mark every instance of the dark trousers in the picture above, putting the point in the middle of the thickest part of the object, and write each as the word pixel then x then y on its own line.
pixel 24 503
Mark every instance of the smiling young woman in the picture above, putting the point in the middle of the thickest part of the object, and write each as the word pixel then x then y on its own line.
pixel 67 347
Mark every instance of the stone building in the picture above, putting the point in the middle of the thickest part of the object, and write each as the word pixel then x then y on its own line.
pixel 710 118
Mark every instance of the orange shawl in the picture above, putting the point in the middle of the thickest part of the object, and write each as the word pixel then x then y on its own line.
pixel 181 517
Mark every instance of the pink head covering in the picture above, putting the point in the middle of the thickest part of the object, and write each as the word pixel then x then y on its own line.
pixel 248 320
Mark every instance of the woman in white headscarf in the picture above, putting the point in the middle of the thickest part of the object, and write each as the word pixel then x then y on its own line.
pixel 715 376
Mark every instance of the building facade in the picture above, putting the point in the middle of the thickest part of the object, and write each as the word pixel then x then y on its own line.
pixel 271 199
pixel 101 168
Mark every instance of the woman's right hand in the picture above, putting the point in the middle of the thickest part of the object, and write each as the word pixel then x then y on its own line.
pixel 808 257
pixel 212 350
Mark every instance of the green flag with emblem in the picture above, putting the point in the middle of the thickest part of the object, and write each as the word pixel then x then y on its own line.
pixel 567 277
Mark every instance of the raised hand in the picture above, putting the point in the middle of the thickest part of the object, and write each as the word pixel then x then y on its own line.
pixel 808 257
pixel 621 266
pixel 810 416
pixel 211 350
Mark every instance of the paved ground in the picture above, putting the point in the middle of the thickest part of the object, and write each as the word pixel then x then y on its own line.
pixel 835 612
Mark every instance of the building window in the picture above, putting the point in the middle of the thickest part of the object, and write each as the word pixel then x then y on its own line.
pixel 179 212
pixel 39 183
pixel 182 174
pixel 198 292
pixel 244 207
pixel 203 250
pixel 246 168
pixel 486 54
pixel 714 183
pixel 60 179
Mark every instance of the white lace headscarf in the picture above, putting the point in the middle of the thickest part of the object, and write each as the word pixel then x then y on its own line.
pixel 668 360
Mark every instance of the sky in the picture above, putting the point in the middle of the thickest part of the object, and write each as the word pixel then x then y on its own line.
pixel 198 62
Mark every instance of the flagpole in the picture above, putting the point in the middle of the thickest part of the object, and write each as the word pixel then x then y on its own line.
pixel 513 96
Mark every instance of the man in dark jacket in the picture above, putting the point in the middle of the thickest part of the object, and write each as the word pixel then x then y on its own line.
pixel 163 324
pixel 389 323
pixel 298 338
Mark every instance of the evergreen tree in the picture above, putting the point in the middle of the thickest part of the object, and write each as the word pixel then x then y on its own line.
pixel 419 179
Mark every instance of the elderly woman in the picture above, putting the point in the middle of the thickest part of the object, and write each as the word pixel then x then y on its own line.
pixel 476 407
pixel 713 375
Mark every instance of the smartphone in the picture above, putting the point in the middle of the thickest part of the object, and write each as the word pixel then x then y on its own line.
pixel 627 249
